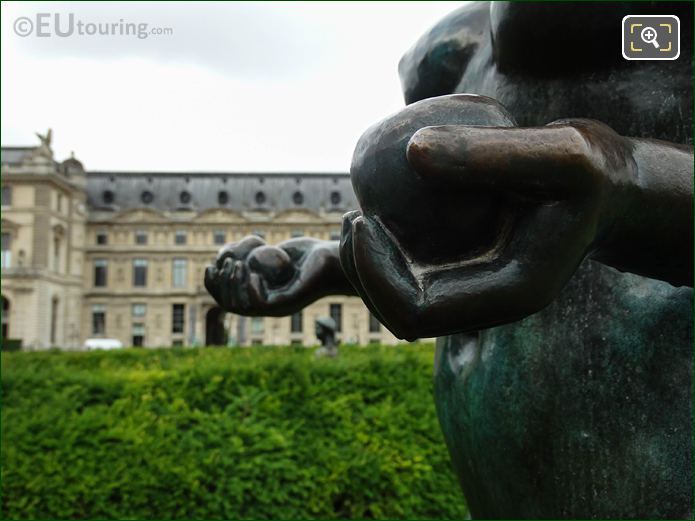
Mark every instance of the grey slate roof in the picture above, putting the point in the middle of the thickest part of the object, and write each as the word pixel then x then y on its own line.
pixel 14 155
pixel 281 191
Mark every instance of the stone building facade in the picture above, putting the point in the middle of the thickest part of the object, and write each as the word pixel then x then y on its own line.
pixel 122 254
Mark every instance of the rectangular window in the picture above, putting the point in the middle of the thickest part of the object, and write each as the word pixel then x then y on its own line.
pixel 259 233
pixel 336 312
pixel 178 273
pixel 54 320
pixel 257 325
pixel 6 250
pixel 178 318
pixel 7 196
pixel 140 273
pixel 98 319
pixel 100 273
pixel 177 343
pixel 102 238
pixel 297 233
pixel 335 235
pixel 138 335
pixel 295 342
pixel 256 342
pixel 180 237
pixel 140 237
pixel 139 310
pixel 219 237
pixel 296 323
pixel 59 203
pixel 374 324
pixel 56 253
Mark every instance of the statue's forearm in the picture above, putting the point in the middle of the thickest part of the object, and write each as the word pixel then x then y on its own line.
pixel 652 233
pixel 335 279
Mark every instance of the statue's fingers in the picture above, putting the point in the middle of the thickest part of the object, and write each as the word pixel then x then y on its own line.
pixel 552 160
pixel 212 277
pixel 348 264
pixel 257 293
pixel 384 273
pixel 237 287
pixel 345 250
pixel 223 283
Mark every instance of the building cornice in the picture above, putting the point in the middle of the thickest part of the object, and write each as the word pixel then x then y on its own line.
pixel 37 178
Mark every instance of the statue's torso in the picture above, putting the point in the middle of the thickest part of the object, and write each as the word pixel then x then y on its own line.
pixel 583 409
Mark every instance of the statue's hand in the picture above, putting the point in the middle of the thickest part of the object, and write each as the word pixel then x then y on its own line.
pixel 252 278
pixel 560 187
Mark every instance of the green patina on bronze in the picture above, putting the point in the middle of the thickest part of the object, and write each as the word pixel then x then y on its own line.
pixel 580 411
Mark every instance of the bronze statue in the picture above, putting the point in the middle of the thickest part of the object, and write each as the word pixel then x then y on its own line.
pixel 545 226
pixel 325 331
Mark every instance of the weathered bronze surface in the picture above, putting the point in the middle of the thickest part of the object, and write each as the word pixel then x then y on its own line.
pixel 325 331
pixel 556 253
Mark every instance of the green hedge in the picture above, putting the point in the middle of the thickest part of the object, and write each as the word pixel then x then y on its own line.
pixel 224 433
pixel 11 344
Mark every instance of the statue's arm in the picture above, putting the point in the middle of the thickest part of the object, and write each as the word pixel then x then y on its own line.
pixel 635 195
pixel 650 232
pixel 572 189
pixel 252 278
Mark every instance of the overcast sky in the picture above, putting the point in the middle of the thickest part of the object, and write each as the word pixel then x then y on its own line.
pixel 236 87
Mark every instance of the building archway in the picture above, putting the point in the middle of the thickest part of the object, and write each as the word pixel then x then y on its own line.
pixel 5 318
pixel 215 332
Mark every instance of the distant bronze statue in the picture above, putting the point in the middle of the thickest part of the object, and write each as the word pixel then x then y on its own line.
pixel 543 230
pixel 325 332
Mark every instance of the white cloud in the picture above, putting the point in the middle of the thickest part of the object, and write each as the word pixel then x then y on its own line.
pixel 237 87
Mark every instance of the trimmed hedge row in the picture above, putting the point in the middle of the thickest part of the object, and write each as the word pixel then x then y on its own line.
pixel 224 433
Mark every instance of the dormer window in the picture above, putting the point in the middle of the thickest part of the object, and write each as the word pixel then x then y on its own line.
pixel 260 198
pixel 298 198
pixel 108 197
